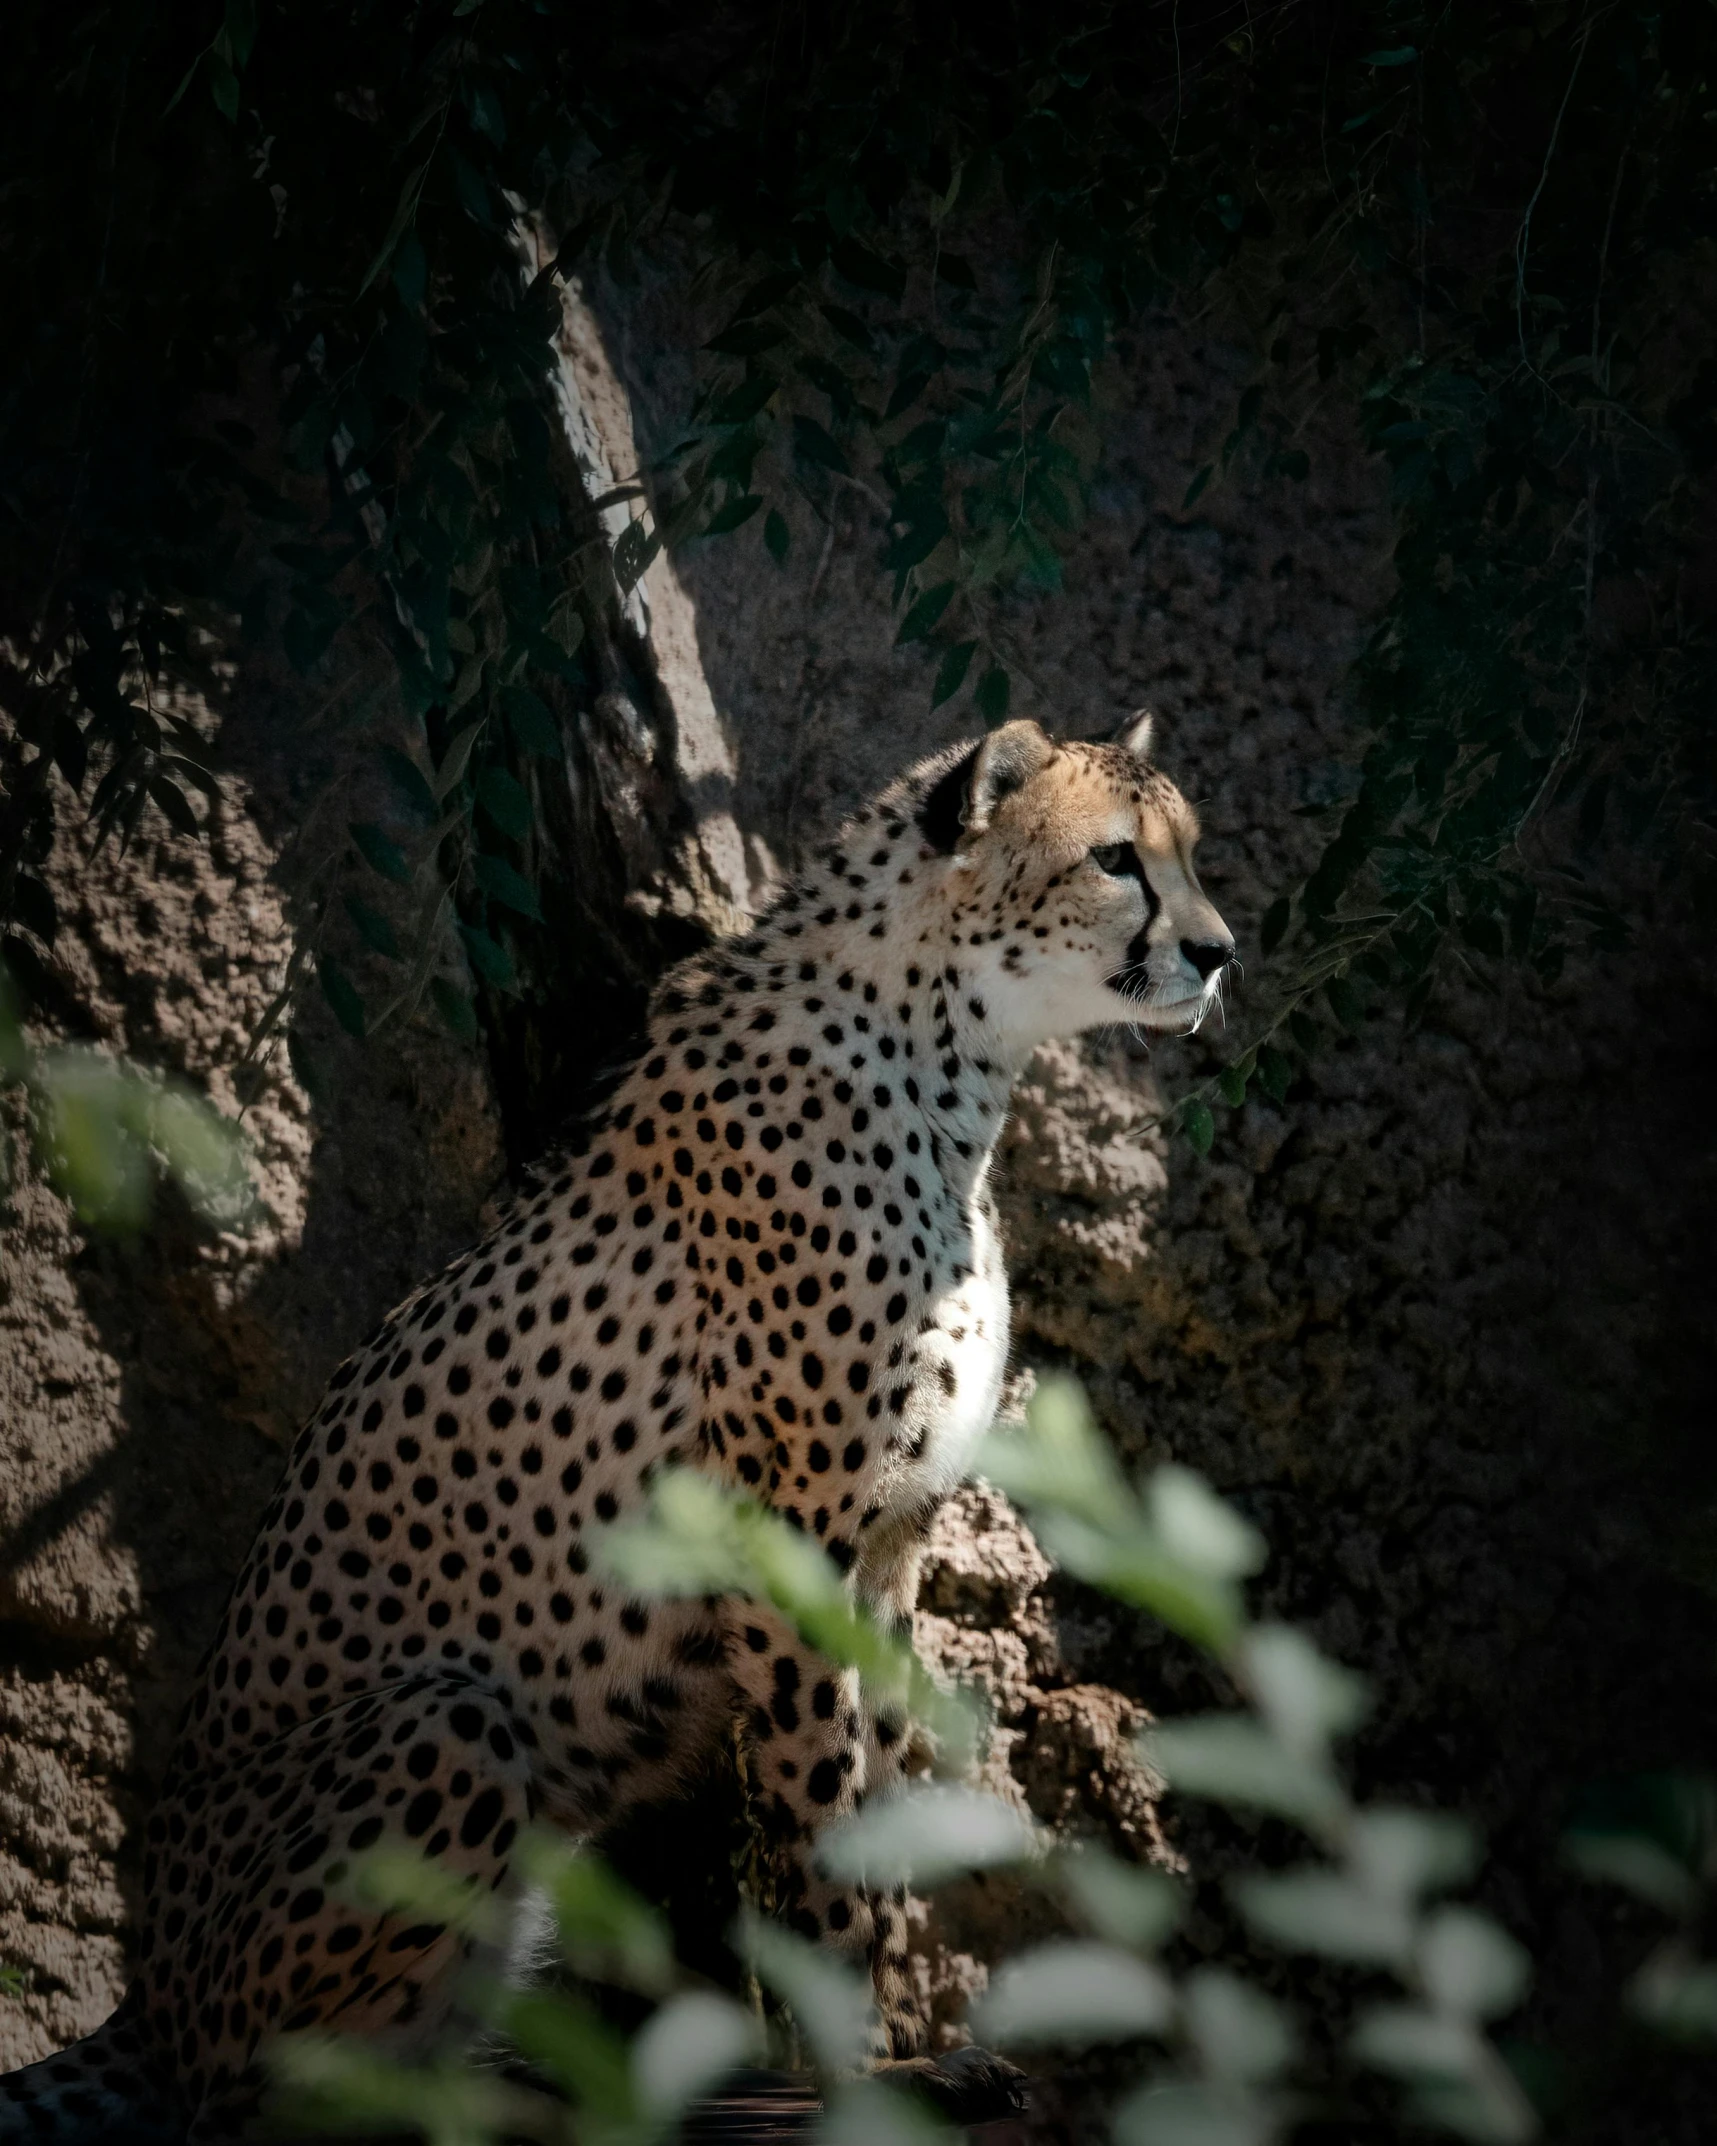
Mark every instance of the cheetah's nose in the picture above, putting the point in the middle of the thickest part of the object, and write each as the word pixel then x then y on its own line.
pixel 1208 955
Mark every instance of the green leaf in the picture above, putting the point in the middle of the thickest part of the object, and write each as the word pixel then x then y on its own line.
pixel 1130 1564
pixel 1395 56
pixel 747 339
pixel 1058 1457
pixel 866 2111
pixel 1231 1082
pixel 338 990
pixel 1637 1864
pixel 907 390
pixel 201 1151
pixel 733 515
pixel 1190 2113
pixel 606 1930
pixel 339 2084
pixel 175 805
pixel 566 624
pixel 951 672
pixel 1198 1125
pixel 374 927
pixel 1472 1969
pixel 409 785
pixel 185 81
pixel 1233 1760
pixel 697 1538
pixel 1125 1902
pixel 503 884
pixel 223 84
pixel 307 1069
pixel 990 696
pixel 745 401
pixel 1678 1996
pixel 1409 1852
pixel 1243 2036
pixel 830 2001
pixel 926 529
pixel 1196 487
pixel 473 192
pixel 811 443
pixel 1275 924
pixel 1201 1530
pixel 579 2052
pixel 534 728
pixel 488 956
pixel 400 1880
pixel 767 291
pixel 505 800
pixel 454 1008
pixel 925 1836
pixel 1073 1991
pixel 922 618
pixel 89 1140
pixel 455 760
pixel 240 27
pixel 1411 2043
pixel 1325 1912
pixel 1345 1003
pixel 687 2048
pixel 776 536
pixel 193 772
pixel 380 852
pixel 1275 1071
pixel 867 269
pixel 487 115
pixel 410 271
pixel 846 325
pixel 634 549
pixel 35 908
pixel 467 685
pixel 404 210
pixel 1305 1697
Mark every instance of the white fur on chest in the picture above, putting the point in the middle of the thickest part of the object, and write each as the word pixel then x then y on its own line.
pixel 970 1337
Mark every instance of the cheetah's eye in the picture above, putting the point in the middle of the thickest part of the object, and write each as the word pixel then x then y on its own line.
pixel 1119 859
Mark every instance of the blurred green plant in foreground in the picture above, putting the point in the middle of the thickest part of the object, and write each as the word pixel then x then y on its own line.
pixel 103 1132
pixel 1231 2067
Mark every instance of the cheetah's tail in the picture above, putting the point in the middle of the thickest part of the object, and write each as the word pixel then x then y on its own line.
pixel 99 2092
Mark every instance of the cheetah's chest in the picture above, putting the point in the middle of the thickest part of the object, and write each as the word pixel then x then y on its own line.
pixel 964 1351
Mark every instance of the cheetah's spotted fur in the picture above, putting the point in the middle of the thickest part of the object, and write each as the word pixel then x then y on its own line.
pixel 772 1256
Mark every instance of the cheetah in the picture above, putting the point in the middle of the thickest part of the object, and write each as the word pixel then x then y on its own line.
pixel 773 1255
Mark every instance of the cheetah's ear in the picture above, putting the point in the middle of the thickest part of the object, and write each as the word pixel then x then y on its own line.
pixel 1006 761
pixel 963 798
pixel 1134 733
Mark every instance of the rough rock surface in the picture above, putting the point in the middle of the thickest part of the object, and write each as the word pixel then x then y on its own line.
pixel 147 1390
pixel 1437 1324
pixel 1057 1748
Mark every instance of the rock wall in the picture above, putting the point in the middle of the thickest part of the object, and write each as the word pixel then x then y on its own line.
pixel 1438 1324
pixel 148 1390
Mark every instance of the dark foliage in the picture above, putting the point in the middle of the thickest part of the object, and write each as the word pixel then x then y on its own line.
pixel 278 376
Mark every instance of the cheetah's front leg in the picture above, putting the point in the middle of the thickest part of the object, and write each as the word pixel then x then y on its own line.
pixel 812 1739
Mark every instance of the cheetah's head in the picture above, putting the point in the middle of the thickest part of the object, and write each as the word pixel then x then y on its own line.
pixel 1070 869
